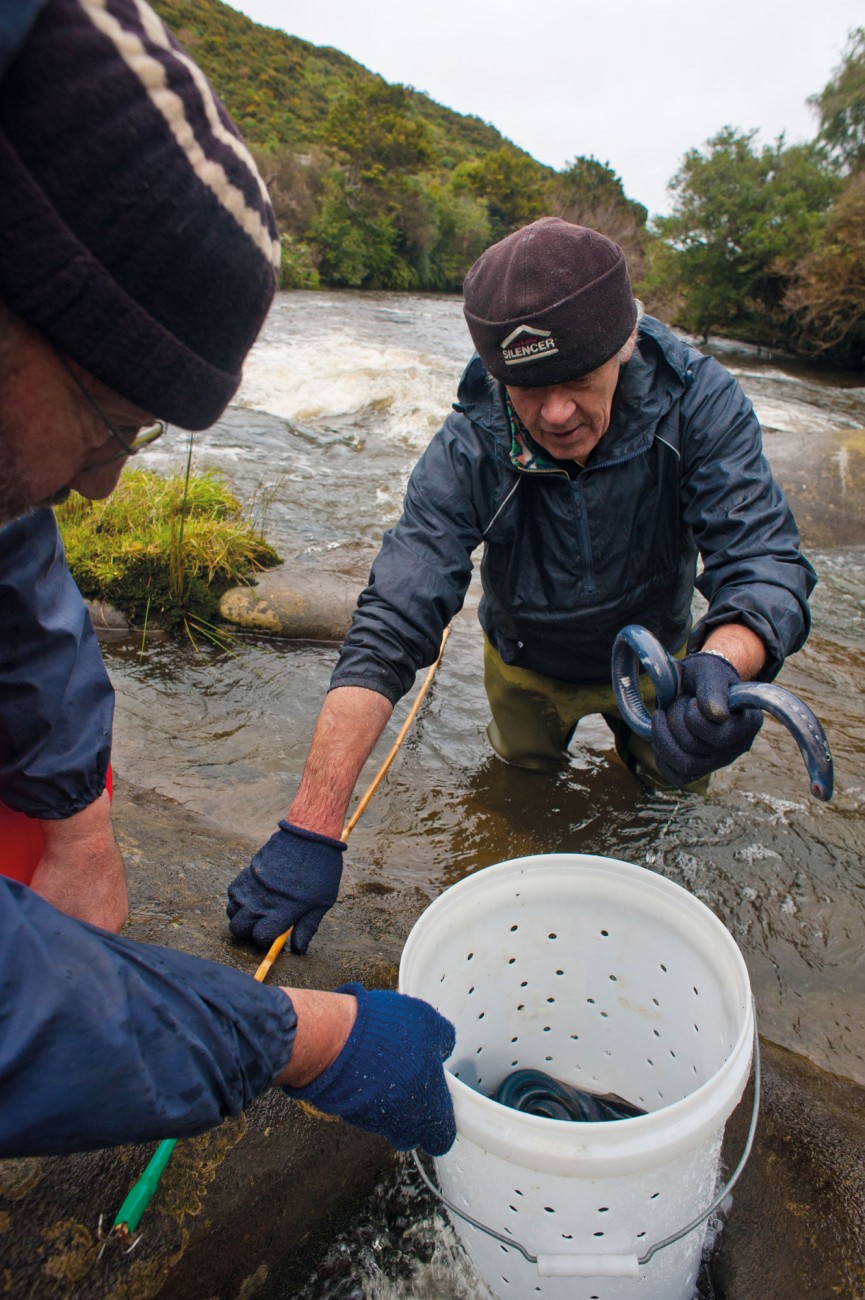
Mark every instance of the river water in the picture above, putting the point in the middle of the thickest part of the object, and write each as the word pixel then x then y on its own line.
pixel 340 395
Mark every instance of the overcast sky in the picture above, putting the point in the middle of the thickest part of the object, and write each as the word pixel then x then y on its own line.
pixel 632 84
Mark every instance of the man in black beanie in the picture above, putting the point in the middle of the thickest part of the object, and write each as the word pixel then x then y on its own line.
pixel 593 455
pixel 138 256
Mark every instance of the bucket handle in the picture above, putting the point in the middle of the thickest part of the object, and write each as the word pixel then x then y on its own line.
pixel 624 1265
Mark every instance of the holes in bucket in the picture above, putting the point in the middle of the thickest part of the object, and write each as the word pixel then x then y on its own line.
pixel 654 1196
pixel 524 984
pixel 560 972
pixel 481 1015
pixel 605 934
pixel 521 1006
pixel 603 1209
pixel 663 967
pixel 567 1236
pixel 546 1029
pixel 657 1033
pixel 591 1001
pixel 641 1234
pixel 511 960
pixel 471 990
pixel 696 991
pixel 552 935
pixel 549 1209
pixel 605 1015
pixel 514 928
pixel 575 1037
pixel 656 1002
pixel 597 1234
pixel 696 1029
pixel 551 999
pixel 614 978
pixel 469 956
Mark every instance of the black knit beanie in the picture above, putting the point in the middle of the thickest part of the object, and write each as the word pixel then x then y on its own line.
pixel 135 232
pixel 549 303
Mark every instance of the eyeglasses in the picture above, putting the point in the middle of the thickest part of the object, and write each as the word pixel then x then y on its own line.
pixel 140 438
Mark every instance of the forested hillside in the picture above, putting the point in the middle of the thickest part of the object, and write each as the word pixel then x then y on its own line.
pixel 377 186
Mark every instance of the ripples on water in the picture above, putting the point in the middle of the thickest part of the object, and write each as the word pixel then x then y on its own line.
pixel 340 395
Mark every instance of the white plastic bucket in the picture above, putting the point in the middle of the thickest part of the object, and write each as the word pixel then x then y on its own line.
pixel 607 976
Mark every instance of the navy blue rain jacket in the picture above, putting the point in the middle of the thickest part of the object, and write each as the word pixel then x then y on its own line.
pixel 568 561
pixel 104 1041
pixel 56 702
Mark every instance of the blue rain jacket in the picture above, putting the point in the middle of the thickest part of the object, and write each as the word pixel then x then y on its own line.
pixel 102 1040
pixel 105 1041
pixel 568 561
pixel 56 702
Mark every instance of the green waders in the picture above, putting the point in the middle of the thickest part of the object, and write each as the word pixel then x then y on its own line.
pixel 535 717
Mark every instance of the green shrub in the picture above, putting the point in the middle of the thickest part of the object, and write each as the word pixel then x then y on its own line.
pixel 163 549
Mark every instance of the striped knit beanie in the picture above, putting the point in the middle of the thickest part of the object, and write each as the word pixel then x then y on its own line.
pixel 549 303
pixel 135 233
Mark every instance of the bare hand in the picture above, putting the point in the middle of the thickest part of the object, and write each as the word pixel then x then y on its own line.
pixel 81 870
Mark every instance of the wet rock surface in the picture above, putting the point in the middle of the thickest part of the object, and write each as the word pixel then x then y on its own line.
pixel 251 1208
pixel 302 600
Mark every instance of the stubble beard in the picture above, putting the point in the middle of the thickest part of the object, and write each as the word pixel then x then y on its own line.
pixel 13 497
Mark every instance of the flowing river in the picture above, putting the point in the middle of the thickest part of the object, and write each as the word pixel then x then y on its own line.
pixel 341 394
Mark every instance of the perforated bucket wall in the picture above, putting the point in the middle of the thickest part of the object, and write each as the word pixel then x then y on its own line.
pixel 607 976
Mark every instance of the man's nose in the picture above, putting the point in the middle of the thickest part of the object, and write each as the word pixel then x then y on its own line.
pixel 557 408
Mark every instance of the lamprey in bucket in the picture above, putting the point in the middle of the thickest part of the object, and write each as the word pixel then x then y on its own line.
pixel 537 1093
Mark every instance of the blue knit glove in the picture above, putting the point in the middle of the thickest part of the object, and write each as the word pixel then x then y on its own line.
pixel 292 881
pixel 388 1079
pixel 698 734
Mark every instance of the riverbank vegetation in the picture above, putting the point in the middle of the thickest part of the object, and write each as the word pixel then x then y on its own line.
pixel 163 550
pixel 378 186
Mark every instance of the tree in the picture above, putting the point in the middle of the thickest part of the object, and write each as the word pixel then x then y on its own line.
pixel 589 193
pixel 826 297
pixel 841 105
pixel 375 129
pixel 742 217
pixel 463 234
pixel 514 186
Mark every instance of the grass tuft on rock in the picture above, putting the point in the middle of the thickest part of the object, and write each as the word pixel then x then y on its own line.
pixel 163 549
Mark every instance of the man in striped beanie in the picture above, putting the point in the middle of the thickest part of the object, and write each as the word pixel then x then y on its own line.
pixel 138 257
pixel 138 260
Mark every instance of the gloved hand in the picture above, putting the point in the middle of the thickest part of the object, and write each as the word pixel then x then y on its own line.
pixel 388 1079
pixel 292 881
pixel 698 733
